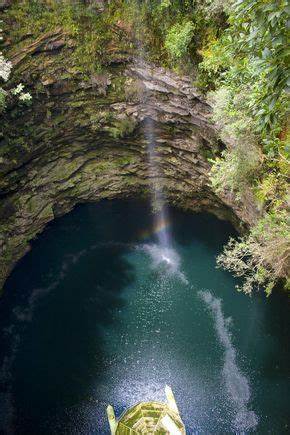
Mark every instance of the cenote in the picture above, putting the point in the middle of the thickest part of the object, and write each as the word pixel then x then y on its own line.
pixel 89 317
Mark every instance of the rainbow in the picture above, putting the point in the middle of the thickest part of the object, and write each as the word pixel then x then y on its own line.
pixel 160 226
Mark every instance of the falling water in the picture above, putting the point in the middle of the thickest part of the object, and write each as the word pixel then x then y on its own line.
pixel 161 219
pixel 162 252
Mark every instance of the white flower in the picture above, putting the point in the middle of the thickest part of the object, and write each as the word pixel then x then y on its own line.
pixel 25 96
pixel 5 68
pixel 19 88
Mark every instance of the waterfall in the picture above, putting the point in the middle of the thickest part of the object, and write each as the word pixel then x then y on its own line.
pixel 160 212
pixel 158 203
pixel 161 219
pixel 162 253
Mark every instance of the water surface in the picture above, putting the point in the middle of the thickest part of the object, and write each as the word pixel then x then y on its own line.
pixel 90 317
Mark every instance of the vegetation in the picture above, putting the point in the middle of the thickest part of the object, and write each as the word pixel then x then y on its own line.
pixel 178 39
pixel 250 105
pixel 5 68
pixel 92 33
pixel 261 258
pixel 18 91
pixel 122 127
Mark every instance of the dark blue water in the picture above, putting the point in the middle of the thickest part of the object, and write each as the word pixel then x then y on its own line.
pixel 90 317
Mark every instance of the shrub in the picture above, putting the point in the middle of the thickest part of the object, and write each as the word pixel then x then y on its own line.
pixel 178 39
pixel 5 69
pixel 122 127
pixel 231 114
pixel 262 257
pixel 2 100
pixel 234 170
pixel 271 189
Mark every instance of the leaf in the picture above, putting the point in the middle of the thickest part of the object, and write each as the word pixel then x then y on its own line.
pixel 266 53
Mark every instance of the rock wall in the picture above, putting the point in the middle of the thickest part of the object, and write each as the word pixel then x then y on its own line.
pixel 82 139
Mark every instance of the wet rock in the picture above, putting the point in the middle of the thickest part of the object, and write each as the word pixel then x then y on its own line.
pixel 101 81
pixel 48 81
pixel 54 45
pixel 5 4
pixel 96 5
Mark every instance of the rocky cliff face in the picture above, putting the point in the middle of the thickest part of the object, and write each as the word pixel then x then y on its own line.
pixel 82 139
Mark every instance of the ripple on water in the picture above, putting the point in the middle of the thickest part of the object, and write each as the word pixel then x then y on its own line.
pixel 166 260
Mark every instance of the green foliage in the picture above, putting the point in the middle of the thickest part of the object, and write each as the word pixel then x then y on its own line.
pixel 238 166
pixel 215 60
pixel 214 7
pixel 234 170
pixel 98 119
pixel 88 54
pixel 231 114
pixel 2 100
pixel 251 58
pixel 90 31
pixel 271 190
pixel 122 127
pixel 261 27
pixel 168 30
pixel 5 70
pixel 262 257
pixel 164 4
pixel 178 39
pixel 248 66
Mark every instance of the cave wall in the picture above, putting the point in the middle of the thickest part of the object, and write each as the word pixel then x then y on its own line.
pixel 83 139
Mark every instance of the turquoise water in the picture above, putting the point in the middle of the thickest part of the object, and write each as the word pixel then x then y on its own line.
pixel 91 317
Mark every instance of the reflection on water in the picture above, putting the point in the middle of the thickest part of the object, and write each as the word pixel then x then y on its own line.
pixel 94 315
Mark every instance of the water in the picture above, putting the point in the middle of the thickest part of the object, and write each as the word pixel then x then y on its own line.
pixel 162 252
pixel 158 204
pixel 236 383
pixel 91 316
